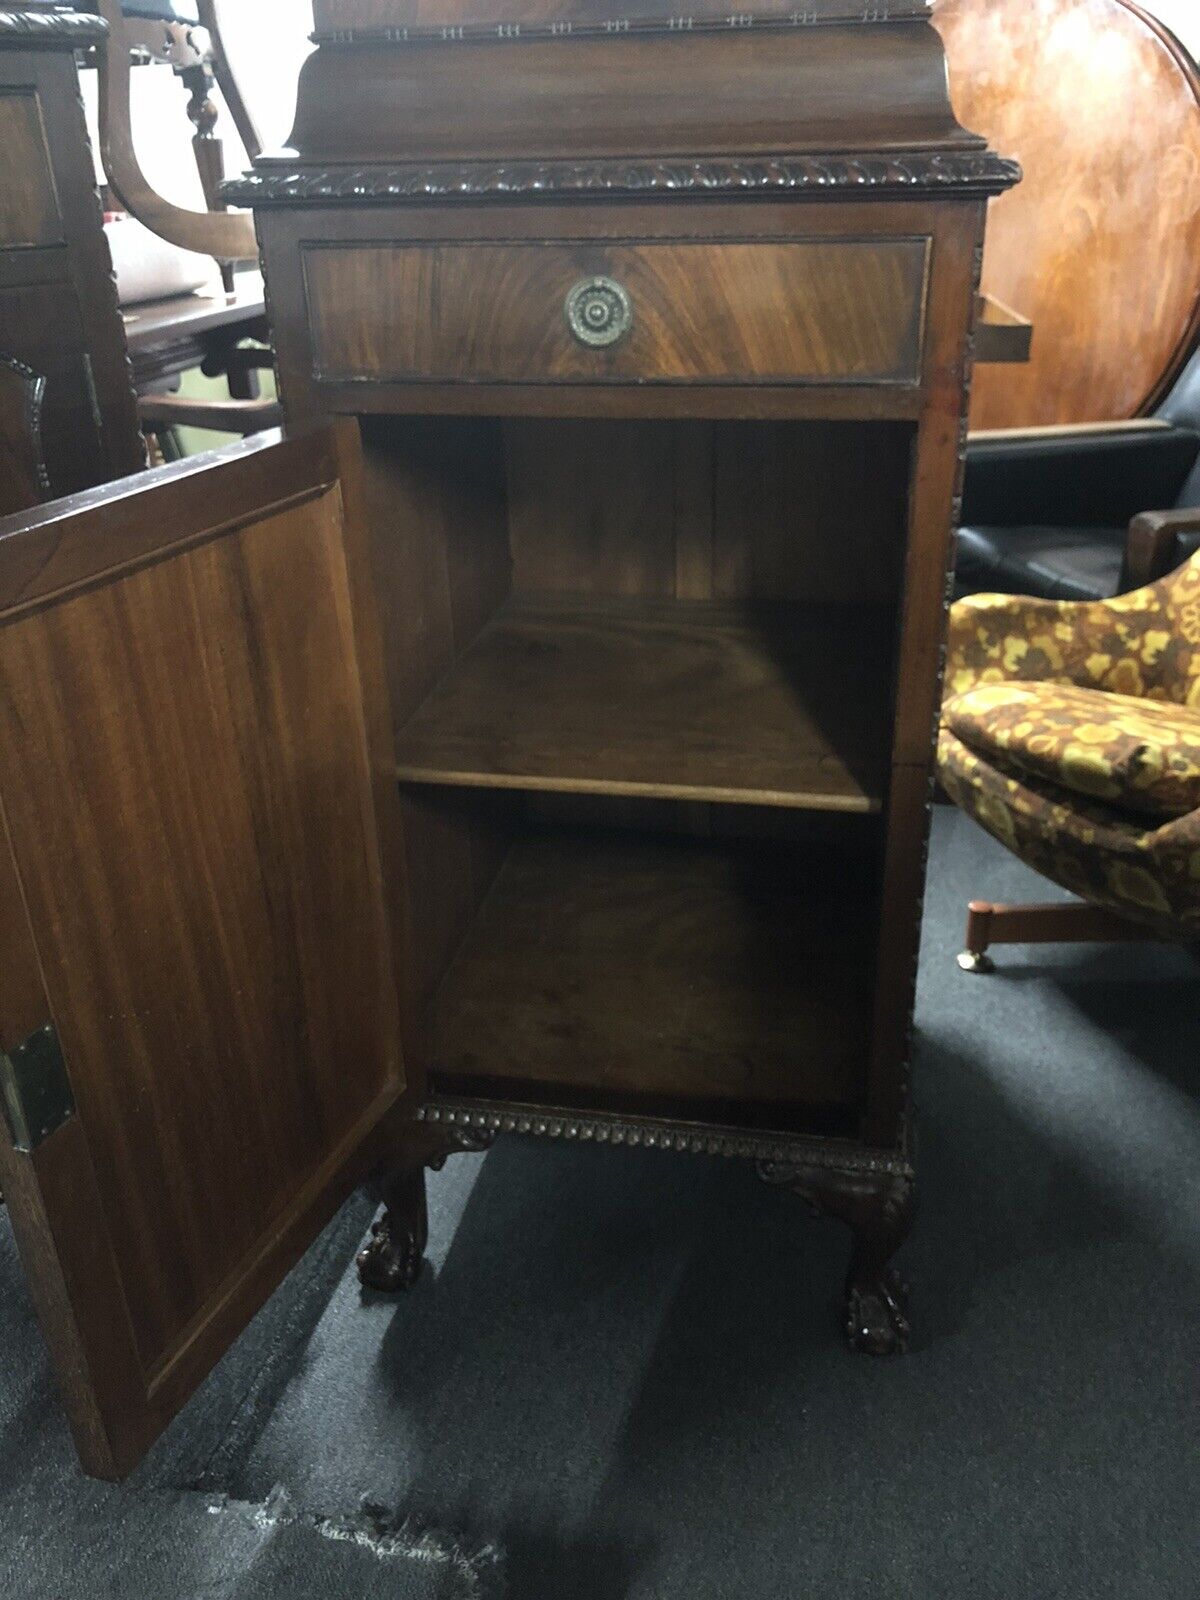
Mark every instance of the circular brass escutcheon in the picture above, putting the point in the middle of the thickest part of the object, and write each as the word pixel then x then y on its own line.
pixel 599 312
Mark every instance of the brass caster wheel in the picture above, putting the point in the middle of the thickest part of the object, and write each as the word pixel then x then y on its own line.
pixel 976 961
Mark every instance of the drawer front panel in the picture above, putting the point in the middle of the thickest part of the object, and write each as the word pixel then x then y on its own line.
pixel 845 311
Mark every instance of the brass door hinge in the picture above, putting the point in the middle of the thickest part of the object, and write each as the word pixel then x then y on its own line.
pixel 35 1090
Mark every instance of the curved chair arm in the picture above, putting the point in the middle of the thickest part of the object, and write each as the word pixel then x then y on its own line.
pixel 228 236
pixel 1157 542
pixel 991 637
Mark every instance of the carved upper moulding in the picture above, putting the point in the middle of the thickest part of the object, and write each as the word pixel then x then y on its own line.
pixel 579 97
pixel 346 20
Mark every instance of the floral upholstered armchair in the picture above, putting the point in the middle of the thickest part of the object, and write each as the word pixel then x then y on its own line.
pixel 1071 732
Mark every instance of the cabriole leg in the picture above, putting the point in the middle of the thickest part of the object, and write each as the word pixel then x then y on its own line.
pixel 392 1258
pixel 879 1208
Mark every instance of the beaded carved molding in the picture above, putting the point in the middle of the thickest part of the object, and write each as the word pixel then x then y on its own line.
pixel 978 172
pixel 660 1133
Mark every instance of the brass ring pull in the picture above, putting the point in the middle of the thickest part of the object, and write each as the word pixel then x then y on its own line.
pixel 599 312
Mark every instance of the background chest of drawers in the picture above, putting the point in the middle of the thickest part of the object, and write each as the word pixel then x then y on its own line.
pixel 62 342
pixel 581 729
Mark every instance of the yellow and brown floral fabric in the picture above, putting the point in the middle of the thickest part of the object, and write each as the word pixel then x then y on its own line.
pixel 1145 644
pixel 1139 755
pixel 1071 732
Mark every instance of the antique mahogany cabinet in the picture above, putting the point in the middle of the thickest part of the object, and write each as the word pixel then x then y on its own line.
pixel 556 762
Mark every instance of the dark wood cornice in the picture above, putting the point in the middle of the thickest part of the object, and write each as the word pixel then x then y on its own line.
pixel 825 14
pixel 973 172
pixel 50 29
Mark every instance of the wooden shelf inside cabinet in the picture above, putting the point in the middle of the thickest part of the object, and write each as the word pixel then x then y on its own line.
pixel 666 973
pixel 763 705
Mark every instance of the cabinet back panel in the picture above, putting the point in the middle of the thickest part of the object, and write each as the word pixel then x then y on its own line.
pixel 628 971
pixel 709 511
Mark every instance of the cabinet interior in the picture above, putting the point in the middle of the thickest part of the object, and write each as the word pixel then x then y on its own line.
pixel 642 678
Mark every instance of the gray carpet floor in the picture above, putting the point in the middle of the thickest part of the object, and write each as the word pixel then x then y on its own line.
pixel 622 1379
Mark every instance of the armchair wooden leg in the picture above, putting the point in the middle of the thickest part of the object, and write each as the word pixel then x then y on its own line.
pixel 1064 922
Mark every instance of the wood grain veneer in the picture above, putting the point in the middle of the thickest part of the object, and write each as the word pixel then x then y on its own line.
pixel 741 91
pixel 728 312
pixel 29 207
pixel 199 823
pixel 659 971
pixel 1098 247
pixel 755 705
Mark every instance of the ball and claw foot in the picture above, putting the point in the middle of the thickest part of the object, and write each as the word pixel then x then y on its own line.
pixel 876 1315
pixel 392 1259
pixel 976 961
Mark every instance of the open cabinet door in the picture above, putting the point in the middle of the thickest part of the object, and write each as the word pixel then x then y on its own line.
pixel 198 1011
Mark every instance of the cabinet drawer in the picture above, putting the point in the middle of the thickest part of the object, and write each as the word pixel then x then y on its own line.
pixel 849 311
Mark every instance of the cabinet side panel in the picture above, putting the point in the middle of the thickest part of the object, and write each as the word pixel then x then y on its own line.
pixel 934 503
pixel 436 510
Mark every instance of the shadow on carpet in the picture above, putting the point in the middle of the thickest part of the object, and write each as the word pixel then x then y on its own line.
pixel 621 1377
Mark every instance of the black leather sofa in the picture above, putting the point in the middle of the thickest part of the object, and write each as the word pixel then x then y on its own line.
pixel 1051 512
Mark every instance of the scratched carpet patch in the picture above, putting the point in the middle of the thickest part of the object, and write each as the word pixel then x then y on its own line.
pixel 375 1554
pixel 172 1531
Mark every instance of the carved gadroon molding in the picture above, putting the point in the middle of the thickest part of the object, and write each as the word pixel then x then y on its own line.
pixel 659 1133
pixel 63 28
pixel 806 14
pixel 870 1190
pixel 970 172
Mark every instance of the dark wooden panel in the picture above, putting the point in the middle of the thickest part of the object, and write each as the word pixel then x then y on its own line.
pixel 29 208
pixel 660 969
pixel 735 92
pixel 813 513
pixel 435 497
pixel 217 1110
pixel 671 700
pixel 58 300
pixel 203 822
pixel 592 505
pixel 23 480
pixel 847 311
pixel 933 494
pixel 42 326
